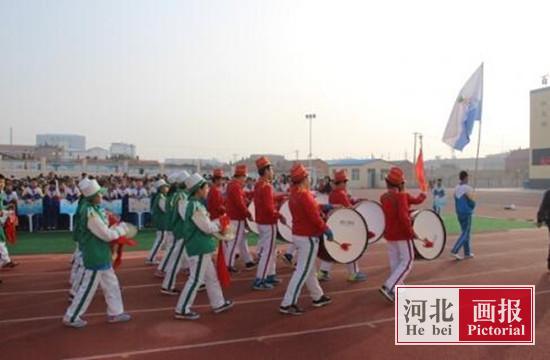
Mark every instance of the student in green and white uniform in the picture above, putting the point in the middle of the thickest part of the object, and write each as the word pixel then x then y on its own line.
pixel 177 258
pixel 158 211
pixel 200 244
pixel 169 228
pixel 94 237
pixel 77 269
pixel 5 260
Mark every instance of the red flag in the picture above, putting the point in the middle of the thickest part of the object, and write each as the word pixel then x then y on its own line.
pixel 420 176
pixel 221 267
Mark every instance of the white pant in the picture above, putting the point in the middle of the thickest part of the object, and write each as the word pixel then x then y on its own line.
pixel 306 248
pixel 268 258
pixel 77 271
pixel 170 245
pixel 239 242
pixel 352 267
pixel 202 271
pixel 156 246
pixel 177 260
pixel 4 255
pixel 401 255
pixel 109 286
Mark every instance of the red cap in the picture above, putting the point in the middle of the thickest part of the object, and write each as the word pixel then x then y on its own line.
pixel 218 173
pixel 340 176
pixel 262 162
pixel 240 170
pixel 395 176
pixel 298 173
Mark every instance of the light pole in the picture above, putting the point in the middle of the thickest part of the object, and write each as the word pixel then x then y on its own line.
pixel 310 117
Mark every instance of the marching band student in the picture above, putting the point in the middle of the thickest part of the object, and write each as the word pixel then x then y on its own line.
pixel 307 228
pixel 95 236
pixel 200 245
pixel 398 232
pixel 5 261
pixel 159 213
pixel 464 206
pixel 169 213
pixel 266 217
pixel 177 258
pixel 238 213
pixel 339 198
pixel 216 202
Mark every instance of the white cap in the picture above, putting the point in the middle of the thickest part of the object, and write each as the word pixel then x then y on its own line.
pixel 89 187
pixel 193 181
pixel 160 183
pixel 182 177
pixel 172 178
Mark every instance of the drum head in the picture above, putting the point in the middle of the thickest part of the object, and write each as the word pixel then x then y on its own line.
pixel 348 227
pixel 374 216
pixel 428 225
pixel 251 224
pixel 285 231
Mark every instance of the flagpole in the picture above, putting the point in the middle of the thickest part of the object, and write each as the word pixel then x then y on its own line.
pixel 479 134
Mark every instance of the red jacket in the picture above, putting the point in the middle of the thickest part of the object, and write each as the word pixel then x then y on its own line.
pixel 215 203
pixel 264 203
pixel 396 212
pixel 306 215
pixel 235 202
pixel 339 197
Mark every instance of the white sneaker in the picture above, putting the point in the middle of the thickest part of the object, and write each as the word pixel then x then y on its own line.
pixel 469 256
pixel 77 324
pixel 119 318
pixel 456 256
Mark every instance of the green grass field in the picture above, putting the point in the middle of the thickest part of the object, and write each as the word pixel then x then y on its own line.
pixel 61 241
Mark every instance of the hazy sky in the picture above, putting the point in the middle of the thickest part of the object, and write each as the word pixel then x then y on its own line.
pixel 216 78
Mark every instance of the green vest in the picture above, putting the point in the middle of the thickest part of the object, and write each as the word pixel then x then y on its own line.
pixel 175 219
pixel 158 216
pixel 95 252
pixel 196 241
pixel 77 223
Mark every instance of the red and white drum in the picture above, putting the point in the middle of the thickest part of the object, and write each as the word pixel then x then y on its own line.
pixel 430 232
pixel 252 226
pixel 285 230
pixel 374 216
pixel 350 237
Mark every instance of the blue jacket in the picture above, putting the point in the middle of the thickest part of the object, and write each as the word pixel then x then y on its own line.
pixel 463 204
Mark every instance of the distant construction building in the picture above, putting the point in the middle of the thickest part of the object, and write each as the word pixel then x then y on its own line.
pixel 539 139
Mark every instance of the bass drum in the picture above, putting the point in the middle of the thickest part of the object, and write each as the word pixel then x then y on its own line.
pixel 285 230
pixel 374 216
pixel 430 233
pixel 349 227
pixel 252 226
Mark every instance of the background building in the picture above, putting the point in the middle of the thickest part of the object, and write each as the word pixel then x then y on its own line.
pixel 362 173
pixel 123 150
pixel 539 139
pixel 68 142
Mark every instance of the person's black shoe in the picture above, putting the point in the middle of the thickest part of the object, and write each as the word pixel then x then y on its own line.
pixel 322 301
pixel 250 266
pixel 291 310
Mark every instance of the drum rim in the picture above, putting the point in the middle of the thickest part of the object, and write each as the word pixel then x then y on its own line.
pixel 381 208
pixel 444 235
pixel 366 236
pixel 280 224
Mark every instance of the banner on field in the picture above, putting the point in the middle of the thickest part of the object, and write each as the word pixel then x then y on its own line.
pixel 139 205
pixel 29 208
pixel 114 206
pixel 67 207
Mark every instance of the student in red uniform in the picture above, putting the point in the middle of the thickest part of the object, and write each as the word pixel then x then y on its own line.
pixel 398 232
pixel 307 228
pixel 266 217
pixel 339 197
pixel 237 210
pixel 216 202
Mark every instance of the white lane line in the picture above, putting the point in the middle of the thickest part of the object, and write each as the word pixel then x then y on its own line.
pixel 442 258
pixel 261 338
pixel 256 301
